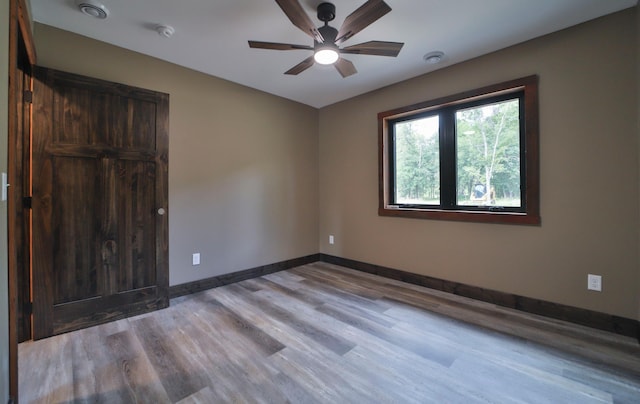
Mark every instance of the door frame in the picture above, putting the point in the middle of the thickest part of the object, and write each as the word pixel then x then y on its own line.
pixel 21 51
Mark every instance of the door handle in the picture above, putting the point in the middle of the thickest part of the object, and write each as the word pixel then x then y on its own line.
pixel 161 211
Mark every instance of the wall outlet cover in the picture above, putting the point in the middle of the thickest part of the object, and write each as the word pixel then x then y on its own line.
pixel 594 282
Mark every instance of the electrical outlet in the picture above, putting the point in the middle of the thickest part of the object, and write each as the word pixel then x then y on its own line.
pixel 594 282
pixel 331 239
pixel 195 259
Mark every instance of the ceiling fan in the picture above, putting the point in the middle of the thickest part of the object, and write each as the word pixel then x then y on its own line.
pixel 326 38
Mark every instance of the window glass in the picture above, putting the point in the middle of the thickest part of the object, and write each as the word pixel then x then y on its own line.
pixel 488 155
pixel 417 161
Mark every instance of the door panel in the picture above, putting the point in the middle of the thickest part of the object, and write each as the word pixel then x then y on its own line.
pixel 136 181
pixel 100 175
pixel 74 270
pixel 139 125
pixel 79 116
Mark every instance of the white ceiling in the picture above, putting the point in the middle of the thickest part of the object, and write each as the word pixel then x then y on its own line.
pixel 211 36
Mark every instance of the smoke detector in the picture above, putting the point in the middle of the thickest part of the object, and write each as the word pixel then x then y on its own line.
pixel 93 8
pixel 165 30
pixel 433 58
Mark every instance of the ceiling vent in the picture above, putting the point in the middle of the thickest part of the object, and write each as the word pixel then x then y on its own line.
pixel 93 8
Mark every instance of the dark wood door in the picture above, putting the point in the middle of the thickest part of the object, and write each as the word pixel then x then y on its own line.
pixel 100 223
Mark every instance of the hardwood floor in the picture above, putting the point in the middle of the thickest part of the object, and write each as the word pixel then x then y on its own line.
pixel 321 333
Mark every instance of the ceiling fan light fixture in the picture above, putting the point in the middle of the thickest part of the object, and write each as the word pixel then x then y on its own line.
pixel 93 8
pixel 326 55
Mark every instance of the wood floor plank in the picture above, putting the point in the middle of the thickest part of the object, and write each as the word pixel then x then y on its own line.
pixel 83 386
pixel 297 294
pixel 440 354
pixel 288 335
pixel 313 298
pixel 234 324
pixel 529 386
pixel 231 358
pixel 315 274
pixel 53 384
pixel 345 295
pixel 473 340
pixel 423 379
pixel 326 383
pixel 96 377
pixel 333 342
pixel 204 396
pixel 370 309
pixel 321 333
pixel 293 391
pixel 221 363
pixel 138 374
pixel 174 370
pixel 622 389
pixel 316 358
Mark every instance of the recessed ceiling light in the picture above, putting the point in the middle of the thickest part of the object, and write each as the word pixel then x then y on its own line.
pixel 93 8
pixel 433 57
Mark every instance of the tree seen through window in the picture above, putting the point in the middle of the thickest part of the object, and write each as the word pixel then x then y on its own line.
pixel 488 155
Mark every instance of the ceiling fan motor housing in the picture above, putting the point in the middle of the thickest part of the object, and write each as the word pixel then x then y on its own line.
pixel 326 12
pixel 329 34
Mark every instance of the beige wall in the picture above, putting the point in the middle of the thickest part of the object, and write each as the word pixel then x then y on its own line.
pixel 243 165
pixel 4 293
pixel 589 176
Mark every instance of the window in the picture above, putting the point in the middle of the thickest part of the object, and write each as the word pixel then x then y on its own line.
pixel 470 157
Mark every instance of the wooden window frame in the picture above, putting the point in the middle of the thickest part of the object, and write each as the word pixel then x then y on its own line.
pixel 530 214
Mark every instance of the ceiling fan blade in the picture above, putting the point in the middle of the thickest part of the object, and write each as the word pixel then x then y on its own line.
pixel 300 67
pixel 345 67
pixel 277 46
pixel 299 18
pixel 378 48
pixel 355 22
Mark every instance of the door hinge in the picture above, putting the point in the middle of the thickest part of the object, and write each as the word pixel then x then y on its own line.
pixel 27 202
pixel 28 96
